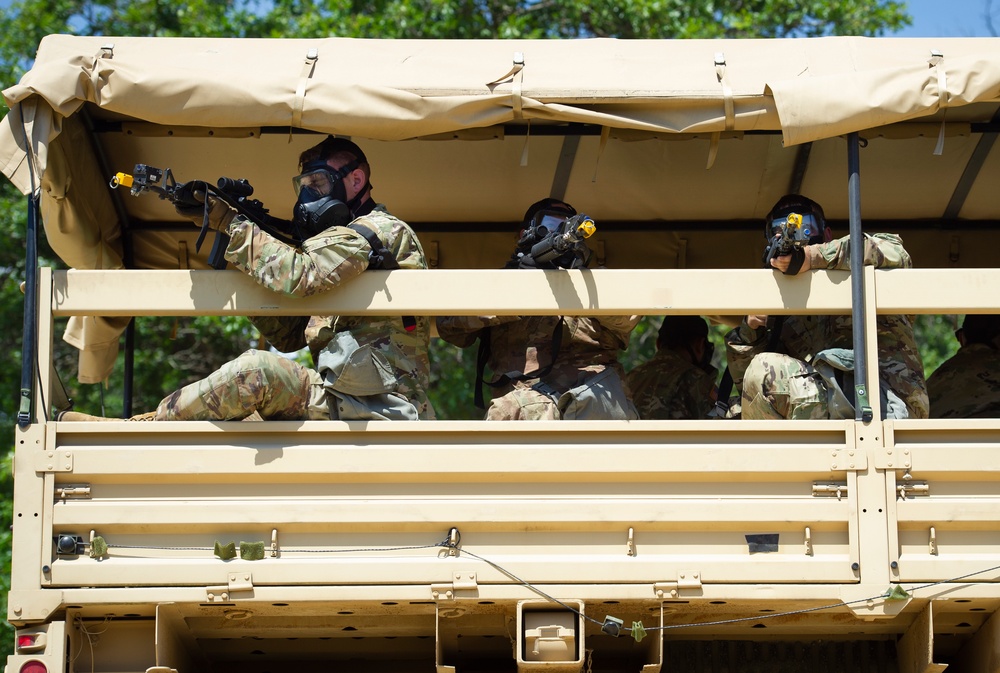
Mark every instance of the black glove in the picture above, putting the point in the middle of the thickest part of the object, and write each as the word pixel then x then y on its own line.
pixel 189 199
pixel 190 203
pixel 798 256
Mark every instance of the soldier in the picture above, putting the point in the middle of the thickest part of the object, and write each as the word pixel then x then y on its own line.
pixel 367 368
pixel 549 367
pixel 679 381
pixel 805 369
pixel 967 385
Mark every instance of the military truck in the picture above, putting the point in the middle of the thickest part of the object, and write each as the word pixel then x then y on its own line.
pixel 700 545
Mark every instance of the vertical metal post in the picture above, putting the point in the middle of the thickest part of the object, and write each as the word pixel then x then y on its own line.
pixel 862 407
pixel 29 344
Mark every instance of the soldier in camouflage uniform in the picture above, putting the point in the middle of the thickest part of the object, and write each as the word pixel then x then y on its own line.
pixel 967 385
pixel 543 374
pixel 367 368
pixel 679 381
pixel 811 373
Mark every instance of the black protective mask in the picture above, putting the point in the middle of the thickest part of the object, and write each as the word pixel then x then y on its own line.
pixel 317 210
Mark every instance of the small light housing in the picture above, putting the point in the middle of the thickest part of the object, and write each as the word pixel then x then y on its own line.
pixel 33 666
pixel 30 641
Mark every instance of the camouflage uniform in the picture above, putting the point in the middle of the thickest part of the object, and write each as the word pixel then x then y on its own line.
pixel 809 379
pixel 586 382
pixel 670 386
pixel 967 385
pixel 369 368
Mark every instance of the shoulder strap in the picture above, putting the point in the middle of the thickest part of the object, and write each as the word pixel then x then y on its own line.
pixel 380 256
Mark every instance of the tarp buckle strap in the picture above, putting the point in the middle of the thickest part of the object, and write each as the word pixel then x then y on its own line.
pixel 730 110
pixel 106 51
pixel 937 62
pixel 515 76
pixel 308 67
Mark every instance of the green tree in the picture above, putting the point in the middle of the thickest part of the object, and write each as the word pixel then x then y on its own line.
pixel 175 351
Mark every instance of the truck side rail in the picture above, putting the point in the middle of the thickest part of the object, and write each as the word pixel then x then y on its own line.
pixel 692 512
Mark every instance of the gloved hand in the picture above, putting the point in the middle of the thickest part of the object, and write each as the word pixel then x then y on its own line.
pixel 190 203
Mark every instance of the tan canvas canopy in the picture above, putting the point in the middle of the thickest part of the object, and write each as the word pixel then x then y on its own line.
pixel 683 136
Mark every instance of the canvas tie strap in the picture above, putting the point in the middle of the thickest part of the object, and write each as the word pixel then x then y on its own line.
pixel 937 62
pixel 727 97
pixel 308 67
pixel 515 76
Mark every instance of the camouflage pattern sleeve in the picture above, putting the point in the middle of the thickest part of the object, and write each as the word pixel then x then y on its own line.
pixel 883 251
pixel 463 330
pixel 742 344
pixel 285 333
pixel 325 261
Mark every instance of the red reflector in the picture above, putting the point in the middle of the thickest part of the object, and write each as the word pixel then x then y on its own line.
pixel 26 640
pixel 33 667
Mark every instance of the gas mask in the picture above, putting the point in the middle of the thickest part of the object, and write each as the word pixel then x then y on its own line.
pixel 322 199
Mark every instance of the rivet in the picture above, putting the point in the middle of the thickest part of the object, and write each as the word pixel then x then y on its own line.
pixel 211 596
pixel 673 593
pixel 225 596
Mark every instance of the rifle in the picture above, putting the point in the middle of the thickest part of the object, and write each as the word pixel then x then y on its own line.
pixel 562 247
pixel 235 193
pixel 788 236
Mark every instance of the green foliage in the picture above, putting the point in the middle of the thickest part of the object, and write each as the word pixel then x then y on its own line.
pixel 936 336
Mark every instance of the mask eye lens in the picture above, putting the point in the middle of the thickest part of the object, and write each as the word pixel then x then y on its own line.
pixel 549 220
pixel 319 182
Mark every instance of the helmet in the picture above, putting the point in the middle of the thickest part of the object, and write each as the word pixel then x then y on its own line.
pixel 980 328
pixel 811 212
pixel 678 330
pixel 553 208
pixel 330 147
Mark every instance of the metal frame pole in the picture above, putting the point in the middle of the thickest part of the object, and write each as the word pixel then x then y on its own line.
pixel 862 407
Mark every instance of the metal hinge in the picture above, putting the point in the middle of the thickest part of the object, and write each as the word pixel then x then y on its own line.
pixel 908 489
pixel 463 580
pixel 829 489
pixel 238 581
pixel 686 581
pixel 55 460
pixel 73 491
